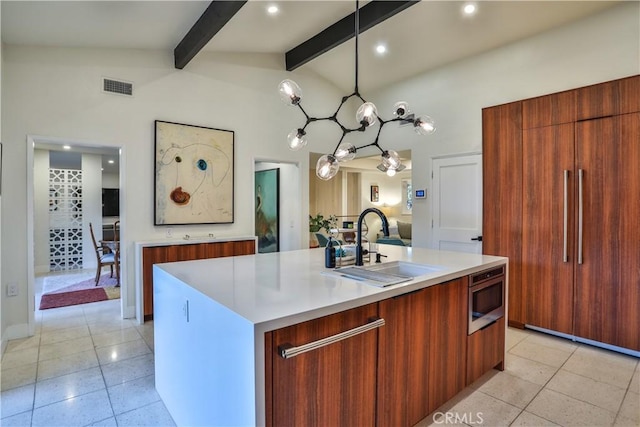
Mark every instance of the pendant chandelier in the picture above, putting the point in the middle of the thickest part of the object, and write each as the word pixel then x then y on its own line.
pixel 366 116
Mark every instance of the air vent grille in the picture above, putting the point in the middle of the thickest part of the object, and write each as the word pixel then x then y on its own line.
pixel 116 86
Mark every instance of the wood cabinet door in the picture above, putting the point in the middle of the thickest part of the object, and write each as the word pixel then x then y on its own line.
pixel 607 279
pixel 547 245
pixel 334 385
pixel 403 360
pixel 502 194
pixel 448 304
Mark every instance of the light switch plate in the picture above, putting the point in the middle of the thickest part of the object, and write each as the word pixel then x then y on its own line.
pixel 12 289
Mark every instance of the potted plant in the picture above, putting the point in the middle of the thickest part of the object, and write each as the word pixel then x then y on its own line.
pixel 317 223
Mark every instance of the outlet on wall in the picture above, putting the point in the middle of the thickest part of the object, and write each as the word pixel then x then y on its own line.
pixel 12 289
pixel 169 232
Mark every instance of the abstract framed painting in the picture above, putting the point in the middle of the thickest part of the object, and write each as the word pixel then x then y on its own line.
pixel 194 174
pixel 267 191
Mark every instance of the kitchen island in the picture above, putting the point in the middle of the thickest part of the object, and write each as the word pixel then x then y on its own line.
pixel 223 328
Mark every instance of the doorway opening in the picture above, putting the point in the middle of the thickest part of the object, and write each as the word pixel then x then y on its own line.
pixel 65 197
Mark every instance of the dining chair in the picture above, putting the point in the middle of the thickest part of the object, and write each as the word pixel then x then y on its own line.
pixel 104 256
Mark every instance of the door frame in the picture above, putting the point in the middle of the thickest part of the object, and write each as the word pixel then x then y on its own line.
pixel 31 141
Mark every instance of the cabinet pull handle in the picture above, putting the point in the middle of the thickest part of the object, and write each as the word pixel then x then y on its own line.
pixel 565 216
pixel 288 351
pixel 580 201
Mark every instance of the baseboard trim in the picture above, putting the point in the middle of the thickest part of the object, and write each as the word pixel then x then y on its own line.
pixel 15 332
pixel 129 312
pixel 586 341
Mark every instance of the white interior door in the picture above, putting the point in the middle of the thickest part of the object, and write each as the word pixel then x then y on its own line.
pixel 457 203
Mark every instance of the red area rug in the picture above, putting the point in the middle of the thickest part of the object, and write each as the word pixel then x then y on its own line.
pixel 81 293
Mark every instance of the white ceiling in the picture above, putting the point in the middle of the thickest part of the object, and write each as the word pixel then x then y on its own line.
pixel 425 36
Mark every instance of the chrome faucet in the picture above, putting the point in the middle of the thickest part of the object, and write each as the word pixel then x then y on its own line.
pixel 385 230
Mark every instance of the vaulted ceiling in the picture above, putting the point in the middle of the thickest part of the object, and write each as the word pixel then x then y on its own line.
pixel 424 36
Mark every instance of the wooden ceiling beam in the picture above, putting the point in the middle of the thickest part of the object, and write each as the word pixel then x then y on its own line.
pixel 371 14
pixel 217 14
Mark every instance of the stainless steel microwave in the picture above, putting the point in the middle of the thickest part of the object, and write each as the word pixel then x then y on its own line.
pixel 486 298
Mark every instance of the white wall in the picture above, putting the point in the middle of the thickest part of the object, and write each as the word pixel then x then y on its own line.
pixel 91 206
pixel 597 49
pixel 226 91
pixel 41 210
pixel 110 180
pixel 290 228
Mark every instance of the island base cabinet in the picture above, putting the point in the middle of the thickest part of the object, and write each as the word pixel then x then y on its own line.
pixel 422 352
pixel 332 385
pixel 485 350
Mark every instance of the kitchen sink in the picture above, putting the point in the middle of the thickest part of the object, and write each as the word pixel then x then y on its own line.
pixel 386 274
pixel 403 268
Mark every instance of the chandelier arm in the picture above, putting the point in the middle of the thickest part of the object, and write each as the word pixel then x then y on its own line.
pixel 373 144
pixel 303 112
pixel 344 133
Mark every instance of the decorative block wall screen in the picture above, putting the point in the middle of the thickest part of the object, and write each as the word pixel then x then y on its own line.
pixel 65 219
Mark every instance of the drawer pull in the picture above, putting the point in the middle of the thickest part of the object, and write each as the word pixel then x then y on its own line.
pixel 288 351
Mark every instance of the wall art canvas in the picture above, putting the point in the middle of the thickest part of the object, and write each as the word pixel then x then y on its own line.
pixel 267 191
pixel 194 172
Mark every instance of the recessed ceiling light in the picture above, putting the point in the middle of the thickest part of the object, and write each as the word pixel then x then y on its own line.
pixel 381 49
pixel 272 9
pixel 110 162
pixel 66 147
pixel 470 9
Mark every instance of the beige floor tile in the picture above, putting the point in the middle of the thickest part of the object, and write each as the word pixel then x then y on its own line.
pixel 480 408
pixel 604 395
pixel 51 325
pixel 635 381
pixel 18 358
pixel 16 400
pixel 621 422
pixel 527 419
pixel 20 420
pixel 66 386
pixel 59 335
pixel 510 389
pixel 67 364
pixel 111 325
pixel 65 348
pixel 567 411
pixel 129 369
pixel 118 352
pixel 109 422
pixel 155 414
pixel 77 411
pixel 602 365
pixel 529 370
pixel 514 336
pixel 630 408
pixel 116 337
pixel 23 344
pixel 133 394
pixel 547 355
pixel 17 377
pixel 551 341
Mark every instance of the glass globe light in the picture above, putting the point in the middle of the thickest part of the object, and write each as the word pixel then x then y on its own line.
pixel 290 92
pixel 401 109
pixel 327 167
pixel 345 152
pixel 296 139
pixel 391 172
pixel 367 114
pixel 391 159
pixel 424 125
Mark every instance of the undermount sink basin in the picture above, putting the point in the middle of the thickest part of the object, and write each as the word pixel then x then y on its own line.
pixel 403 268
pixel 386 274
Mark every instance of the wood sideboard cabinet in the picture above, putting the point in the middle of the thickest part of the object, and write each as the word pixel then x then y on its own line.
pixel 185 252
pixel 561 185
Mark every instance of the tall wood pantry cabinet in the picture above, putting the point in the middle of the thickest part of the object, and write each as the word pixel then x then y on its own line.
pixel 562 201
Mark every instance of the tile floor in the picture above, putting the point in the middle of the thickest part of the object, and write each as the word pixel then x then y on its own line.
pixel 87 367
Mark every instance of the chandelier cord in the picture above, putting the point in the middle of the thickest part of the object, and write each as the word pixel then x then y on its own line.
pixel 357 30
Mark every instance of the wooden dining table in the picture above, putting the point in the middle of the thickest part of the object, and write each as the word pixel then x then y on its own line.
pixel 114 245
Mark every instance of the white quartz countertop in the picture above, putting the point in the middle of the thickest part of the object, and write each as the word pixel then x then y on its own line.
pixel 280 289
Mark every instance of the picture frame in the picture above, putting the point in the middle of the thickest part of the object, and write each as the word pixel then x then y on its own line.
pixel 267 210
pixel 375 193
pixel 194 174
